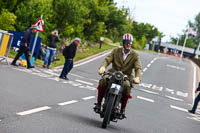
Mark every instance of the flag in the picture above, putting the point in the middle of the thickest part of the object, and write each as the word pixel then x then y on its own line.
pixel 192 32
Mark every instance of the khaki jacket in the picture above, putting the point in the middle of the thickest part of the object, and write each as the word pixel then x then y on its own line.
pixel 125 66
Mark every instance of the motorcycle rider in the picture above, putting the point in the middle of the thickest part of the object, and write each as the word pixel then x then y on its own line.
pixel 123 59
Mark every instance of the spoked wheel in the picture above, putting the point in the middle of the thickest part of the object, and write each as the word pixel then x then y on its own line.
pixel 109 106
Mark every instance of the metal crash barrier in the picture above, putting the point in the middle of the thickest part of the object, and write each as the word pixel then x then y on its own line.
pixel 5 44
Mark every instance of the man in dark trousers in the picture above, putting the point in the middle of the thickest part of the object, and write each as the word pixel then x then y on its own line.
pixel 197 99
pixel 25 42
pixel 69 53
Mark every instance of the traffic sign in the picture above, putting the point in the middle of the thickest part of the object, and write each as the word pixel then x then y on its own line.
pixel 39 25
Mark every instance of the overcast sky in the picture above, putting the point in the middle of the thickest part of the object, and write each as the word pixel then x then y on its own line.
pixel 169 16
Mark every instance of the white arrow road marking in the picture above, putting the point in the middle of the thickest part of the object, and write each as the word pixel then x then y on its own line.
pixel 87 98
pixel 151 92
pixel 84 82
pixel 68 102
pixel 34 110
pixel 178 108
pixel 145 99
pixel 174 98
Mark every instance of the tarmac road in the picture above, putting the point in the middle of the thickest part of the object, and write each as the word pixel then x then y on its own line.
pixel 37 101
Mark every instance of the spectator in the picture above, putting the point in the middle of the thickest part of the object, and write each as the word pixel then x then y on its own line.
pixel 69 53
pixel 24 48
pixel 42 52
pixel 51 48
pixel 197 99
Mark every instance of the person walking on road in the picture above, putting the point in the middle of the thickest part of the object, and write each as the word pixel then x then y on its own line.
pixel 196 101
pixel 24 48
pixel 51 48
pixel 69 53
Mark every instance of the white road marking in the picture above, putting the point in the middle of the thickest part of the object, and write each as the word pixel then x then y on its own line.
pixel 34 110
pixel 87 98
pixel 84 82
pixel 151 92
pixel 145 85
pixel 148 65
pixel 76 75
pixel 180 93
pixel 94 80
pixel 178 108
pixel 68 102
pixel 88 87
pixel 174 98
pixel 85 62
pixel 55 78
pixel 157 88
pixel 50 72
pixel 176 67
pixel 194 118
pixel 169 90
pixel 152 61
pixel 145 99
pixel 144 69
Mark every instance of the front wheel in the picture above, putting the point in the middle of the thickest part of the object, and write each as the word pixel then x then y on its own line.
pixel 108 110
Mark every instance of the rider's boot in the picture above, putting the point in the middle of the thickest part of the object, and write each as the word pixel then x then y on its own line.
pixel 101 92
pixel 123 107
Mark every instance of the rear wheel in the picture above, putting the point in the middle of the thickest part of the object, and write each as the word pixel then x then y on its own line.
pixel 108 110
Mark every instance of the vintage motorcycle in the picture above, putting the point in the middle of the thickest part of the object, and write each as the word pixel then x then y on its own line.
pixel 112 100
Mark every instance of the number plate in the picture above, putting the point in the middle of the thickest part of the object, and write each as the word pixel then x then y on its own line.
pixel 116 88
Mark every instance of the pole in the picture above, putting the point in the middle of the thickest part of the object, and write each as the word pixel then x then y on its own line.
pixel 184 44
pixel 197 48
pixel 177 41
pixel 34 44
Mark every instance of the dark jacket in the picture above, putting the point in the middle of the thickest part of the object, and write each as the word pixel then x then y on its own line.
pixel 27 36
pixel 52 40
pixel 198 89
pixel 70 51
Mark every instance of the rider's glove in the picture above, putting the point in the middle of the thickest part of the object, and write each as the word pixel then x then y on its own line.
pixel 102 70
pixel 136 80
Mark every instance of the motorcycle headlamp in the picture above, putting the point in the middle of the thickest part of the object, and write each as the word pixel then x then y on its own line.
pixel 118 76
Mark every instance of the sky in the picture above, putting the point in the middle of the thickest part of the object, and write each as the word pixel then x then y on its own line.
pixel 169 16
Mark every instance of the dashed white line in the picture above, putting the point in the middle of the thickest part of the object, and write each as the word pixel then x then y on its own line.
pixel 34 110
pixel 152 61
pixel 178 108
pixel 84 82
pixel 148 65
pixel 87 98
pixel 144 69
pixel 145 99
pixel 174 98
pixel 151 92
pixel 68 102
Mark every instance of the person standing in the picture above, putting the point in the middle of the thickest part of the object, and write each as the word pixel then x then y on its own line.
pixel 24 48
pixel 69 52
pixel 196 101
pixel 51 48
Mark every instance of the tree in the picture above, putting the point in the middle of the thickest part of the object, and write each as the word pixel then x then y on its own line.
pixel 7 4
pixel 29 12
pixel 7 20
